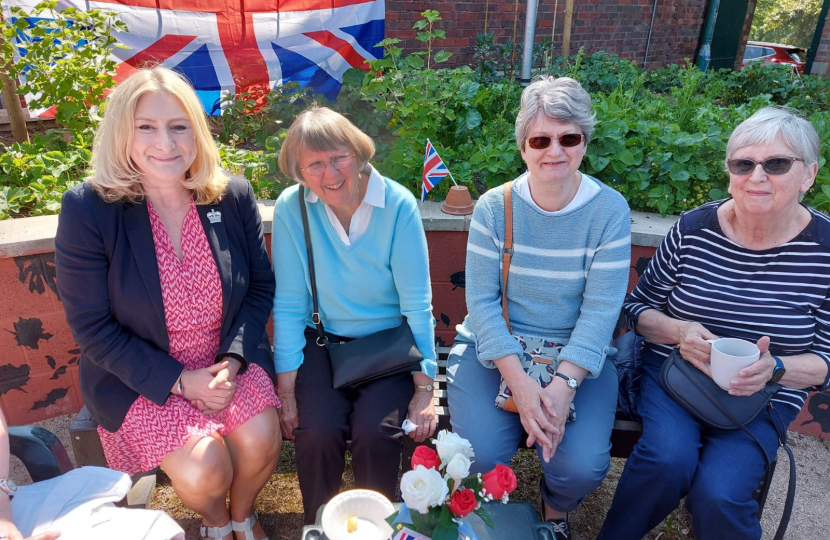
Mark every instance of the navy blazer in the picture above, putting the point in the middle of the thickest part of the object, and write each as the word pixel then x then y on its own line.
pixel 108 281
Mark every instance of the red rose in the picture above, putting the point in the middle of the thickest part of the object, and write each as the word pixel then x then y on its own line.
pixel 426 456
pixel 499 481
pixel 463 502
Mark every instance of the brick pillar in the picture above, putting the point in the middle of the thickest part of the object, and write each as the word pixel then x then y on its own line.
pixel 822 60
pixel 750 13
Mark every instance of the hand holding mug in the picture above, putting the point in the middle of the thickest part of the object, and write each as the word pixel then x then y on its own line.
pixel 754 377
pixel 694 341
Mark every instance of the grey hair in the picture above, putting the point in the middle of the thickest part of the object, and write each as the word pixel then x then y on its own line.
pixel 767 123
pixel 561 99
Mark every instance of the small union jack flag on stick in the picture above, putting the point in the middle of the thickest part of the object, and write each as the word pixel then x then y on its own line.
pixel 434 170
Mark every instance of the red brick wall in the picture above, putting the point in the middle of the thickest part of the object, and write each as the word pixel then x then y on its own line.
pixel 447 253
pixel 39 361
pixel 750 13
pixel 821 63
pixel 616 26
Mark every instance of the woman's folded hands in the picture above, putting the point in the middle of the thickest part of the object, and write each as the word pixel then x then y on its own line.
pixel 211 389
pixel 536 407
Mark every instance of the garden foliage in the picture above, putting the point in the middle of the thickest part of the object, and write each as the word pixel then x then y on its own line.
pixel 660 136
pixel 64 60
pixel 785 21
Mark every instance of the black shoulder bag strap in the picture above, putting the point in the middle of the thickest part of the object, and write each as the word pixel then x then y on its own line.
pixel 782 440
pixel 322 340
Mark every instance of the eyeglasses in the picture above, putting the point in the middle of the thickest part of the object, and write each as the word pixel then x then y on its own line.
pixel 318 168
pixel 776 165
pixel 565 141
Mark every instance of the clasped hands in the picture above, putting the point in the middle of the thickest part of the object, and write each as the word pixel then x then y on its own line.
pixel 211 389
pixel 694 347
pixel 543 411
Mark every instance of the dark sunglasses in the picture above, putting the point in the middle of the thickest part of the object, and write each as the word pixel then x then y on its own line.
pixel 776 165
pixel 565 141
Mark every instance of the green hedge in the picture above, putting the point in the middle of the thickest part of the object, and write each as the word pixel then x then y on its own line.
pixel 660 137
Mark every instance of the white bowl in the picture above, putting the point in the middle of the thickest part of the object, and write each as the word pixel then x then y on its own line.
pixel 370 507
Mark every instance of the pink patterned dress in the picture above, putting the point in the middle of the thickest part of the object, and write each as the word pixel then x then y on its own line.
pixel 192 294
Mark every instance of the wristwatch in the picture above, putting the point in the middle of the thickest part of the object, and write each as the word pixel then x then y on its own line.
pixel 9 486
pixel 427 387
pixel 779 370
pixel 573 384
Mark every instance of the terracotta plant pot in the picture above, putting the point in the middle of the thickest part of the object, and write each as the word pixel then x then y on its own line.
pixel 458 202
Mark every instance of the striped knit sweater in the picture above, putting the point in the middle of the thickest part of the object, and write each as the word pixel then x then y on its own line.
pixel 698 274
pixel 567 279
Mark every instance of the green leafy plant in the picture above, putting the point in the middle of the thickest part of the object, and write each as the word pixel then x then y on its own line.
pixel 36 174
pixel 600 72
pixel 660 135
pixel 63 60
pixel 428 34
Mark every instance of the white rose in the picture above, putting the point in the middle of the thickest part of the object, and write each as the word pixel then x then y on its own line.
pixel 422 488
pixel 458 468
pixel 449 444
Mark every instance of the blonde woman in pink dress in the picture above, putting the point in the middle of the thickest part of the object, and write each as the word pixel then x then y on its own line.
pixel 162 270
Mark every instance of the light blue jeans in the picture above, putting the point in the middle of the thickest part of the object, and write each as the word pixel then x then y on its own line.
pixel 581 460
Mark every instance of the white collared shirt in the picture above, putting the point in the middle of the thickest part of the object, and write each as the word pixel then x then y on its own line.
pixel 375 197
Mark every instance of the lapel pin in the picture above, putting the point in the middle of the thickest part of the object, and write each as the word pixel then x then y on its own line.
pixel 214 216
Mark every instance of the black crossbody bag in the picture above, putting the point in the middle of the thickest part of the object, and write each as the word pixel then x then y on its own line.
pixel 714 407
pixel 358 361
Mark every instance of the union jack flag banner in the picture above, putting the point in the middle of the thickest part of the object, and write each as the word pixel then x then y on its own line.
pixel 434 170
pixel 406 534
pixel 234 46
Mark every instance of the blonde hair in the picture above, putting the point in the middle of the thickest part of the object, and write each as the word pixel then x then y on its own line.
pixel 320 129
pixel 113 174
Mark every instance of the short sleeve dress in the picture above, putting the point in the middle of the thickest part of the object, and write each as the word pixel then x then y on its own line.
pixel 192 294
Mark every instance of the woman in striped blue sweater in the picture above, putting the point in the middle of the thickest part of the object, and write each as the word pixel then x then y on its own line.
pixel 753 267
pixel 567 280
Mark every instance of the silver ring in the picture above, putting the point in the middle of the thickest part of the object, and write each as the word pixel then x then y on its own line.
pixel 3 537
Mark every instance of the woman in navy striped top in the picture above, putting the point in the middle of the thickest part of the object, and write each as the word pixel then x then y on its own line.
pixel 753 267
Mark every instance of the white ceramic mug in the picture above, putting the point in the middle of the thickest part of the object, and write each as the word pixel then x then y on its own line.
pixel 729 357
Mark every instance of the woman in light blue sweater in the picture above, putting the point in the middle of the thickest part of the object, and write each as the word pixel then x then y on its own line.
pixel 372 269
pixel 566 283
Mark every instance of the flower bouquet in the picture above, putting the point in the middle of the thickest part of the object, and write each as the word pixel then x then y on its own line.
pixel 439 491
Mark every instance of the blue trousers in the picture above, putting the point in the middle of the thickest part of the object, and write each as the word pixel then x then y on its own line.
pixel 581 460
pixel 677 456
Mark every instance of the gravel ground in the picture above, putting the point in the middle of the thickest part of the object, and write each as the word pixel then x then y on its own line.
pixel 281 509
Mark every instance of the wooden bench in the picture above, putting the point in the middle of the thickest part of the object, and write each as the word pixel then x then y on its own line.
pixel 623 437
pixel 86 444
pixel 88 450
